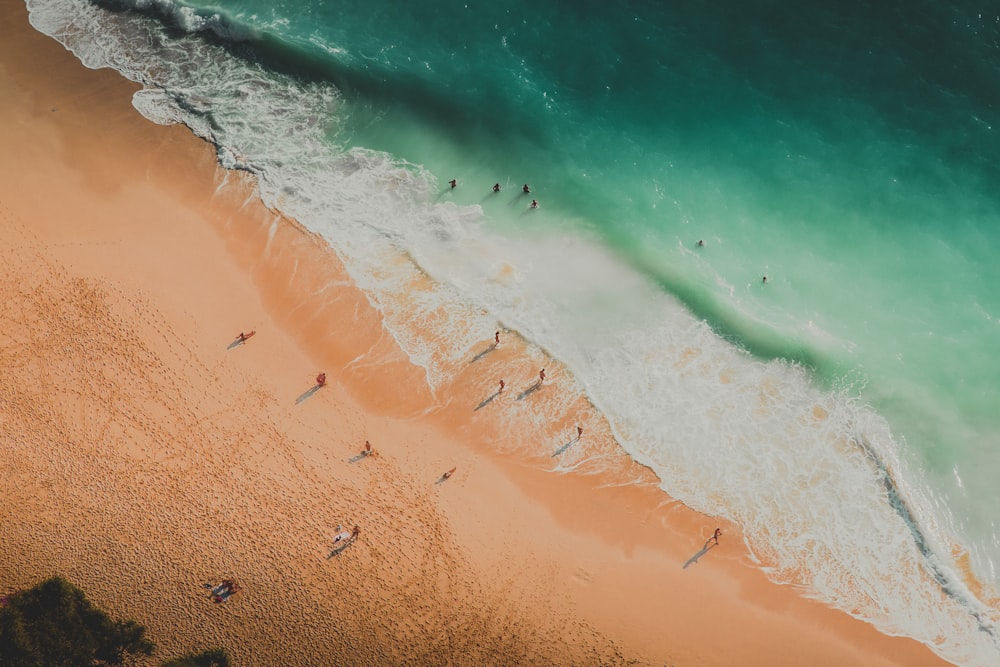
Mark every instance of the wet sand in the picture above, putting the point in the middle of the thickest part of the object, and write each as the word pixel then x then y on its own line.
pixel 146 453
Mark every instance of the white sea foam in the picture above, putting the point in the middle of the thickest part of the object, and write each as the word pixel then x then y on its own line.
pixel 815 479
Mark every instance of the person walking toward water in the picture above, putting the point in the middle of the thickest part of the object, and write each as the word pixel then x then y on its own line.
pixel 579 432
pixel 321 379
pixel 715 535
pixel 453 183
pixel 448 474
pixel 502 385
pixel 496 339
pixel 369 450
pixel 541 376
pixel 526 189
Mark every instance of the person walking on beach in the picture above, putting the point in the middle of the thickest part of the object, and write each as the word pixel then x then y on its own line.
pixel 541 376
pixel 369 450
pixel 715 535
pixel 448 474
pixel 453 183
pixel 579 432
pixel 321 379
pixel 502 385
pixel 496 339
pixel 496 187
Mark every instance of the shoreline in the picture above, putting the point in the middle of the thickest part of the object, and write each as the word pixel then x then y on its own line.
pixel 191 458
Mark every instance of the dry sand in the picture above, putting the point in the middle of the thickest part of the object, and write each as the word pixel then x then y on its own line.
pixel 143 455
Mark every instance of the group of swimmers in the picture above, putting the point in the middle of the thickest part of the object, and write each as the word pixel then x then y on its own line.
pixel 496 188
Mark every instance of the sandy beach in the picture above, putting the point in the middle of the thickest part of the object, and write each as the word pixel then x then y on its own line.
pixel 146 451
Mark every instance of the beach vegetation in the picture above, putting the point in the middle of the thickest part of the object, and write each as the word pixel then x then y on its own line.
pixel 53 624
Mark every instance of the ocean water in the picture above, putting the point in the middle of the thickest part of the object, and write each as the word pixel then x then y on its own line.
pixel 843 412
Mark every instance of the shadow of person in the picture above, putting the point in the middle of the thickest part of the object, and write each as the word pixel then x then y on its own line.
pixel 482 354
pixel 487 401
pixel 565 447
pixel 693 560
pixel 236 343
pixel 306 394
pixel 530 390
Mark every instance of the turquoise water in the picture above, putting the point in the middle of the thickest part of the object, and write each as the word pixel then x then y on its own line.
pixel 844 150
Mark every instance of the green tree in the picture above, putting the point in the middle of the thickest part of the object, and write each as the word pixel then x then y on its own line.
pixel 54 625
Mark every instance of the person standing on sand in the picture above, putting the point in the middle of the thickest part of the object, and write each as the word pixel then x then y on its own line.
pixel 541 376
pixel 321 379
pixel 579 432
pixel 448 474
pixel 715 535
pixel 369 450
pixel 496 339
pixel 502 385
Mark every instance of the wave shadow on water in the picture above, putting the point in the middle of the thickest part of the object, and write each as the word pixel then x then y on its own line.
pixel 693 560
pixel 951 588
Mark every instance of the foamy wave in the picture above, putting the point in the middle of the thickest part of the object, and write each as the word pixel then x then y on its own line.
pixel 815 479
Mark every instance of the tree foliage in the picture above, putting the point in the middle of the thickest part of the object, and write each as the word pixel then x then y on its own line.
pixel 54 625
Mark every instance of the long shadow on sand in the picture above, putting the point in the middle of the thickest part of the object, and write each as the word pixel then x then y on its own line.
pixel 339 548
pixel 529 391
pixel 482 354
pixel 306 394
pixel 487 401
pixel 359 457
pixel 236 343
pixel 565 447
pixel 693 560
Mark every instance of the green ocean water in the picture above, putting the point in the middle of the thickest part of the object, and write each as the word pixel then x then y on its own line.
pixel 845 150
